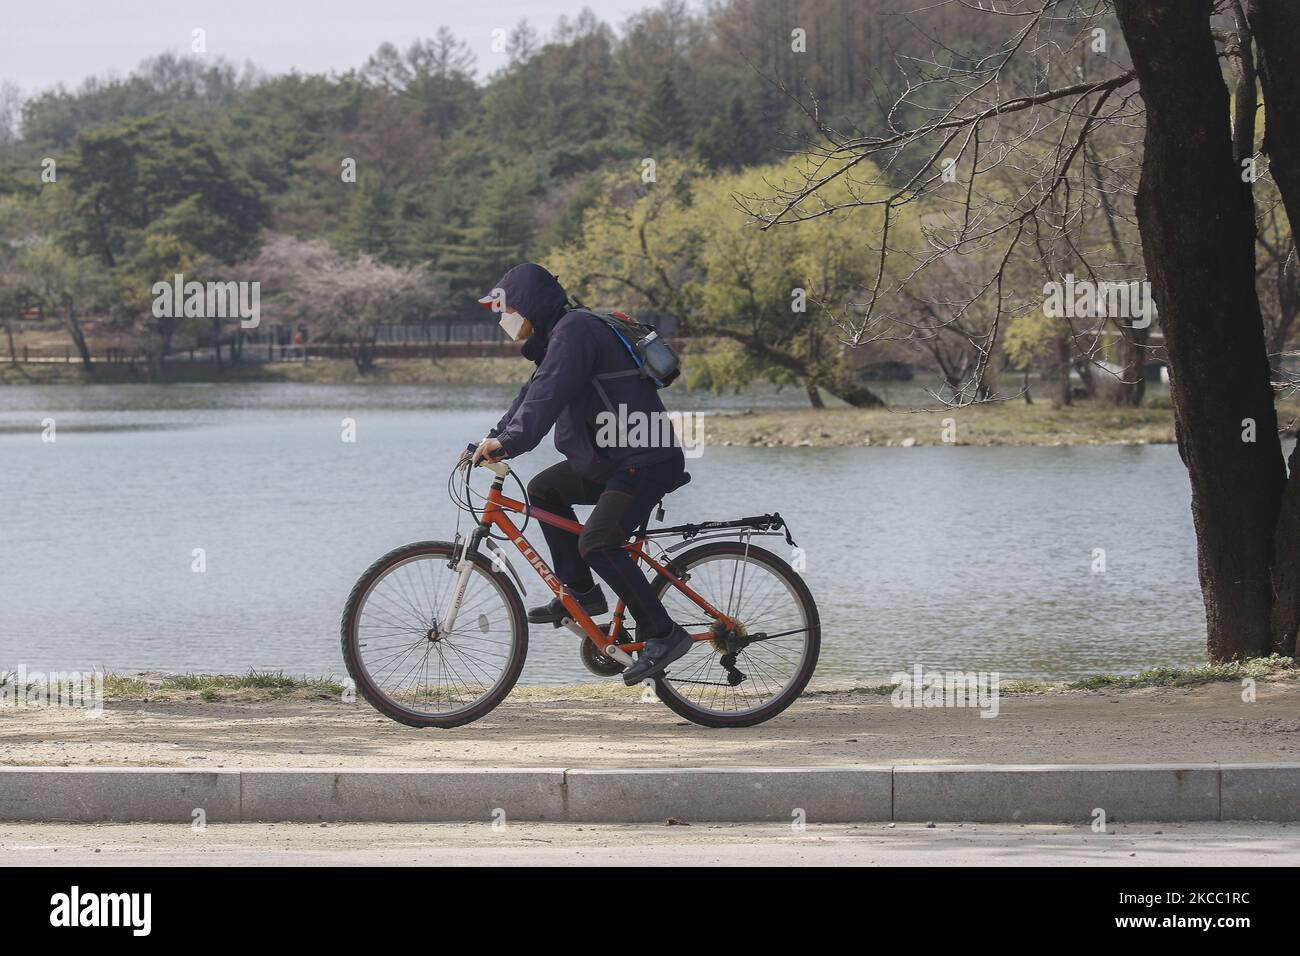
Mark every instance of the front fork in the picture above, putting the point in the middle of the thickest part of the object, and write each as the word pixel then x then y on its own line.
pixel 462 564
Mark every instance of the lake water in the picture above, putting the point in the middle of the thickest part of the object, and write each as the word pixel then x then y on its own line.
pixel 971 558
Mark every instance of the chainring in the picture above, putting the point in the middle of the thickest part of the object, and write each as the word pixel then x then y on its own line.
pixel 599 664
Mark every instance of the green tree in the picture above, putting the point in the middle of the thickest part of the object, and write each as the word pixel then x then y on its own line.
pixel 732 140
pixel 67 287
pixel 372 228
pixel 126 179
pixel 498 234
pixel 663 123
pixel 780 300
pixel 148 200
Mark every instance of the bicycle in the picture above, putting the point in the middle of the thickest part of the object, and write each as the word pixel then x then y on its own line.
pixel 435 634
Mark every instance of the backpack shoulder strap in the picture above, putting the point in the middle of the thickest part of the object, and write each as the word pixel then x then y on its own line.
pixel 613 323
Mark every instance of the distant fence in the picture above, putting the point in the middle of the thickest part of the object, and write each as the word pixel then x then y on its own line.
pixel 479 337
pixel 273 352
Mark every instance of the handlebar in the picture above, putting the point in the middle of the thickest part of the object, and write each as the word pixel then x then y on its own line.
pixel 497 466
pixel 463 496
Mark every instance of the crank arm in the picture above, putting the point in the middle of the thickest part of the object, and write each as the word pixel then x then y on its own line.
pixel 609 650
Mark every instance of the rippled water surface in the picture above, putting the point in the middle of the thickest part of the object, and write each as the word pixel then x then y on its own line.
pixel 965 557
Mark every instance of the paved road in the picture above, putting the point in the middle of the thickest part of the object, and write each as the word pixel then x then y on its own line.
pixel 1217 844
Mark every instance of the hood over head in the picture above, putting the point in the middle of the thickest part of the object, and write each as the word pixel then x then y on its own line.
pixel 537 295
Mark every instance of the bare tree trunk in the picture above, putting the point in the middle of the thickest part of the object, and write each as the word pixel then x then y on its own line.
pixel 1133 357
pixel 1198 236
pixel 363 355
pixel 840 383
pixel 1061 371
pixel 815 395
pixel 79 338
pixel 1276 25
pixel 844 387
pixel 1087 380
pixel 990 375
pixel 1132 386
pixel 216 344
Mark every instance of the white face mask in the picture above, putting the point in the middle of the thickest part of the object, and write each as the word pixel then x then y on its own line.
pixel 512 323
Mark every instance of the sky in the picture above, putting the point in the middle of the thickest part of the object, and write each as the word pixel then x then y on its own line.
pixel 46 43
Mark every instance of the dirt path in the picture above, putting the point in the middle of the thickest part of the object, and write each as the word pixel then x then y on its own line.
pixel 611 726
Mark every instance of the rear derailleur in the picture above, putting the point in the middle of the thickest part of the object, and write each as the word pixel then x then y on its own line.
pixel 730 641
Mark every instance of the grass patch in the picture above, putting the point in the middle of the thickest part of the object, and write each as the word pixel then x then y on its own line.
pixel 265 680
pixel 1027 686
pixel 276 685
pixel 1276 667
pixel 119 685
pixel 255 685
pixel 1256 668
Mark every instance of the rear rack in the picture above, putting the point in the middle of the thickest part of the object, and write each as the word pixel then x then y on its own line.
pixel 760 524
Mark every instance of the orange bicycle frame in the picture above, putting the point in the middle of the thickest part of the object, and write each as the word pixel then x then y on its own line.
pixel 496 514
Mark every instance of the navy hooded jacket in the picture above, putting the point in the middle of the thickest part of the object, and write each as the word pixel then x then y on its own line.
pixel 569 346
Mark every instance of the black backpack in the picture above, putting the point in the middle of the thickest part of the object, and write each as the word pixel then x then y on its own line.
pixel 654 358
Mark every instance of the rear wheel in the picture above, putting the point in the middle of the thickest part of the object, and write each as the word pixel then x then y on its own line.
pixel 764 668
pixel 402 658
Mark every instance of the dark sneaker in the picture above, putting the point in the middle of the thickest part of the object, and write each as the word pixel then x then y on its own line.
pixel 593 602
pixel 657 654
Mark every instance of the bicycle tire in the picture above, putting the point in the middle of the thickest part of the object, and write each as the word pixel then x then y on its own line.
pixel 808 663
pixel 375 696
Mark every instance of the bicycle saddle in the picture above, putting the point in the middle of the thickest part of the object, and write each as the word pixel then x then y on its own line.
pixel 685 479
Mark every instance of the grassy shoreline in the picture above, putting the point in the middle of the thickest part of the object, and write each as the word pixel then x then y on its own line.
pixel 1003 423
pixel 1010 423
pixel 269 686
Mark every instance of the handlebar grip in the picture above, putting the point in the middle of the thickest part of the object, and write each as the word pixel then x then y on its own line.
pixel 473 447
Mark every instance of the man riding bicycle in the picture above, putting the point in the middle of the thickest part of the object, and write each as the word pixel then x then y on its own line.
pixel 624 480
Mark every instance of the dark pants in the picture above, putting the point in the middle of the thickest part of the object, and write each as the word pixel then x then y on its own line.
pixel 623 503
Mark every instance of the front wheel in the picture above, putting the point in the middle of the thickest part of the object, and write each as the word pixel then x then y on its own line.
pixel 764 671
pixel 404 659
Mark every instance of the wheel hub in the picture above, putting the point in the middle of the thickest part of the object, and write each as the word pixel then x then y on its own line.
pixel 729 640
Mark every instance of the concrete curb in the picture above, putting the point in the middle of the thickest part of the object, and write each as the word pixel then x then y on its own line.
pixel 1015 794
pixel 989 793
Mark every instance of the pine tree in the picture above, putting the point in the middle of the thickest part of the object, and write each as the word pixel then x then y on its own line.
pixel 732 140
pixel 663 122
pixel 372 224
pixel 498 234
